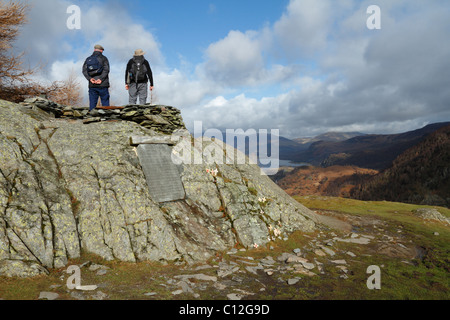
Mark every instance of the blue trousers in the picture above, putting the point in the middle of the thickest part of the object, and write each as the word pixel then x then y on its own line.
pixel 94 93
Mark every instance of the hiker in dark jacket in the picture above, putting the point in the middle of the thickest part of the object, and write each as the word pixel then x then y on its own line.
pixel 96 71
pixel 137 75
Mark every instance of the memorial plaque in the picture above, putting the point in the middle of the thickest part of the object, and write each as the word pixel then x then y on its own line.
pixel 163 177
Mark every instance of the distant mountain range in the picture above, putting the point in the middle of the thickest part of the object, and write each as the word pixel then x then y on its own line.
pixel 330 137
pixel 289 149
pixel 370 151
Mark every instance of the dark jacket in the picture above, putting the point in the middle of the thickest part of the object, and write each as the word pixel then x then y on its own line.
pixel 148 75
pixel 104 76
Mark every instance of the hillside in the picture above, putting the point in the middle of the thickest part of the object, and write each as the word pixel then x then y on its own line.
pixel 330 137
pixel 419 175
pixel 337 181
pixel 290 148
pixel 369 151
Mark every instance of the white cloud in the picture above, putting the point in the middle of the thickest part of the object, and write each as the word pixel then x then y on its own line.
pixel 60 69
pixel 217 102
pixel 42 38
pixel 235 60
pixel 303 28
pixel 113 28
pixel 177 89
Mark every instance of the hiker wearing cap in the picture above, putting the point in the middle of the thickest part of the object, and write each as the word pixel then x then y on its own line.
pixel 137 75
pixel 96 71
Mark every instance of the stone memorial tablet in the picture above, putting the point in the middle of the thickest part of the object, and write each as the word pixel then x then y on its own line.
pixel 162 174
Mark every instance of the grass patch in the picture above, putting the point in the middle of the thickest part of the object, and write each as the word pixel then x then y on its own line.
pixel 427 279
pixel 382 209
pixel 398 214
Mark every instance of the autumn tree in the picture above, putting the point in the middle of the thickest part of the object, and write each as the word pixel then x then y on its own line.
pixel 12 17
pixel 67 92
pixel 15 79
pixel 12 73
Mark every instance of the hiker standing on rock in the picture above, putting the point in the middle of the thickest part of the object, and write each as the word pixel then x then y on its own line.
pixel 96 71
pixel 137 75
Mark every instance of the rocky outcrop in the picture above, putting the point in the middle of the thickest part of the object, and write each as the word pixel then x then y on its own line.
pixel 162 119
pixel 68 187
pixel 431 214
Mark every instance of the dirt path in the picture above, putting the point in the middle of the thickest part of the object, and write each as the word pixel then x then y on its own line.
pixel 331 222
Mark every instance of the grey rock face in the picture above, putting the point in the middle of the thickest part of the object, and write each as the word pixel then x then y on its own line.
pixel 66 186
pixel 431 214
pixel 16 268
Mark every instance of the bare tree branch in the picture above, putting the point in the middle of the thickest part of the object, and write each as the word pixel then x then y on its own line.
pixel 15 82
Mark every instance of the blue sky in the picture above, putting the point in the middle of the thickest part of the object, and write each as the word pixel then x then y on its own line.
pixel 188 27
pixel 304 67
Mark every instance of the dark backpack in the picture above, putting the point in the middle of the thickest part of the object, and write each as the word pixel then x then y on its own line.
pixel 138 71
pixel 94 65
